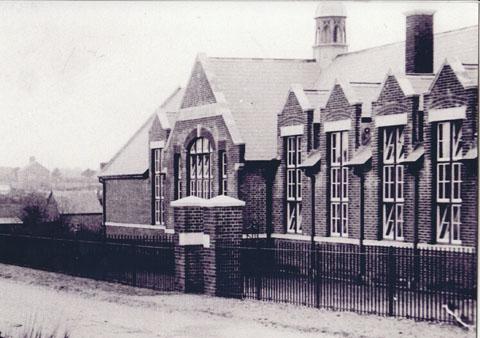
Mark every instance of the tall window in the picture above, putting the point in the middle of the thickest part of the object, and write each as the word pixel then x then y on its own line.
pixel 200 176
pixel 158 187
pixel 294 184
pixel 418 127
pixel 222 155
pixel 178 176
pixel 449 181
pixel 316 135
pixel 338 183
pixel 392 183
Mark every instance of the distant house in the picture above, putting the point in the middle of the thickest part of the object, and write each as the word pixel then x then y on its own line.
pixel 10 214
pixel 8 179
pixel 34 176
pixel 79 209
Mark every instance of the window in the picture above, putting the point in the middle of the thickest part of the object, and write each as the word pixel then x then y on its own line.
pixel 418 127
pixel 200 176
pixel 448 182
pixel 392 183
pixel 223 172
pixel 316 135
pixel 294 184
pixel 338 183
pixel 177 172
pixel 158 188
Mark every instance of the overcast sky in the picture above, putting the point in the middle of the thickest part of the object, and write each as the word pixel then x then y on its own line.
pixel 77 79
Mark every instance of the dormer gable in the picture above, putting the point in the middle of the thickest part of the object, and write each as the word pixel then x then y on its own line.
pixel 199 90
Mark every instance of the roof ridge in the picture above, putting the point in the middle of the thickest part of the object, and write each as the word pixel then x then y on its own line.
pixel 127 143
pixel 402 41
pixel 170 97
pixel 260 59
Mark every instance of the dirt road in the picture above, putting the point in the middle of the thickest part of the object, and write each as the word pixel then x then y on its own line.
pixel 88 308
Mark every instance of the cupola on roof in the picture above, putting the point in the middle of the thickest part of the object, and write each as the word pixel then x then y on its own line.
pixel 330 8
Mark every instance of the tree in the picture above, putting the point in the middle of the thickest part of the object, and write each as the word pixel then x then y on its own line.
pixel 33 212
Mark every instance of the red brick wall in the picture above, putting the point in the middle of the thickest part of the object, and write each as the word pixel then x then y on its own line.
pixel 391 101
pixel 338 108
pixel 253 190
pixel 128 201
pixel 198 91
pixel 448 92
pixel 186 131
pixel 292 114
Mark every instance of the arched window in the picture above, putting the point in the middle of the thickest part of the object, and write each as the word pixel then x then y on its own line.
pixel 337 34
pixel 200 167
pixel 326 33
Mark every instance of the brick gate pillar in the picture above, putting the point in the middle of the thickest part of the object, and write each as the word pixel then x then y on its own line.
pixel 188 225
pixel 222 226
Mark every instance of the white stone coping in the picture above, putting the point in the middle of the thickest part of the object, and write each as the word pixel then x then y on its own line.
pixel 446 114
pixel 391 120
pixel 397 244
pixel 345 240
pixel 299 237
pixel 141 226
pixel 291 130
pixel 189 201
pixel 223 201
pixel 339 125
pixel 446 247
pixel 157 144
pixel 194 238
pixel 218 201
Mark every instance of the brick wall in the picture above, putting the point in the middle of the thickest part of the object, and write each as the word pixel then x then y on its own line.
pixel 253 190
pixel 292 114
pixel 128 201
pixel 185 132
pixel 448 92
pixel 198 90
pixel 338 108
pixel 189 263
pixel 391 101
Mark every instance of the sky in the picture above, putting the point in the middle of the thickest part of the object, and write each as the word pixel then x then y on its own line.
pixel 77 79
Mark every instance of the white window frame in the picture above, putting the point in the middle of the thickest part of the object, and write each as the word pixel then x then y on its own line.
pixel 338 183
pixel 223 173
pixel 448 181
pixel 200 178
pixel 158 188
pixel 293 193
pixel 393 183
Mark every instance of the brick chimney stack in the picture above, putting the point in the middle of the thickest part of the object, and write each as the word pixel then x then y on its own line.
pixel 419 42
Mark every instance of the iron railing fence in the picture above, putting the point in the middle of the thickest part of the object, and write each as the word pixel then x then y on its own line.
pixel 403 282
pixel 139 261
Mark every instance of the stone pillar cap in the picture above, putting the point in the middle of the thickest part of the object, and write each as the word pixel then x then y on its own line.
pixel 223 201
pixel 190 201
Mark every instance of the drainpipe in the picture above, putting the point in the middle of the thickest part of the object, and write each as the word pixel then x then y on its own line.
pixel 362 224
pixel 312 202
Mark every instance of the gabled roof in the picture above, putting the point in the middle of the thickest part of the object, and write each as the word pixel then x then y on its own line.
pixel 310 99
pixel 467 74
pixel 254 91
pixel 76 202
pixel 365 93
pixel 132 158
pixel 371 65
pixel 167 112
